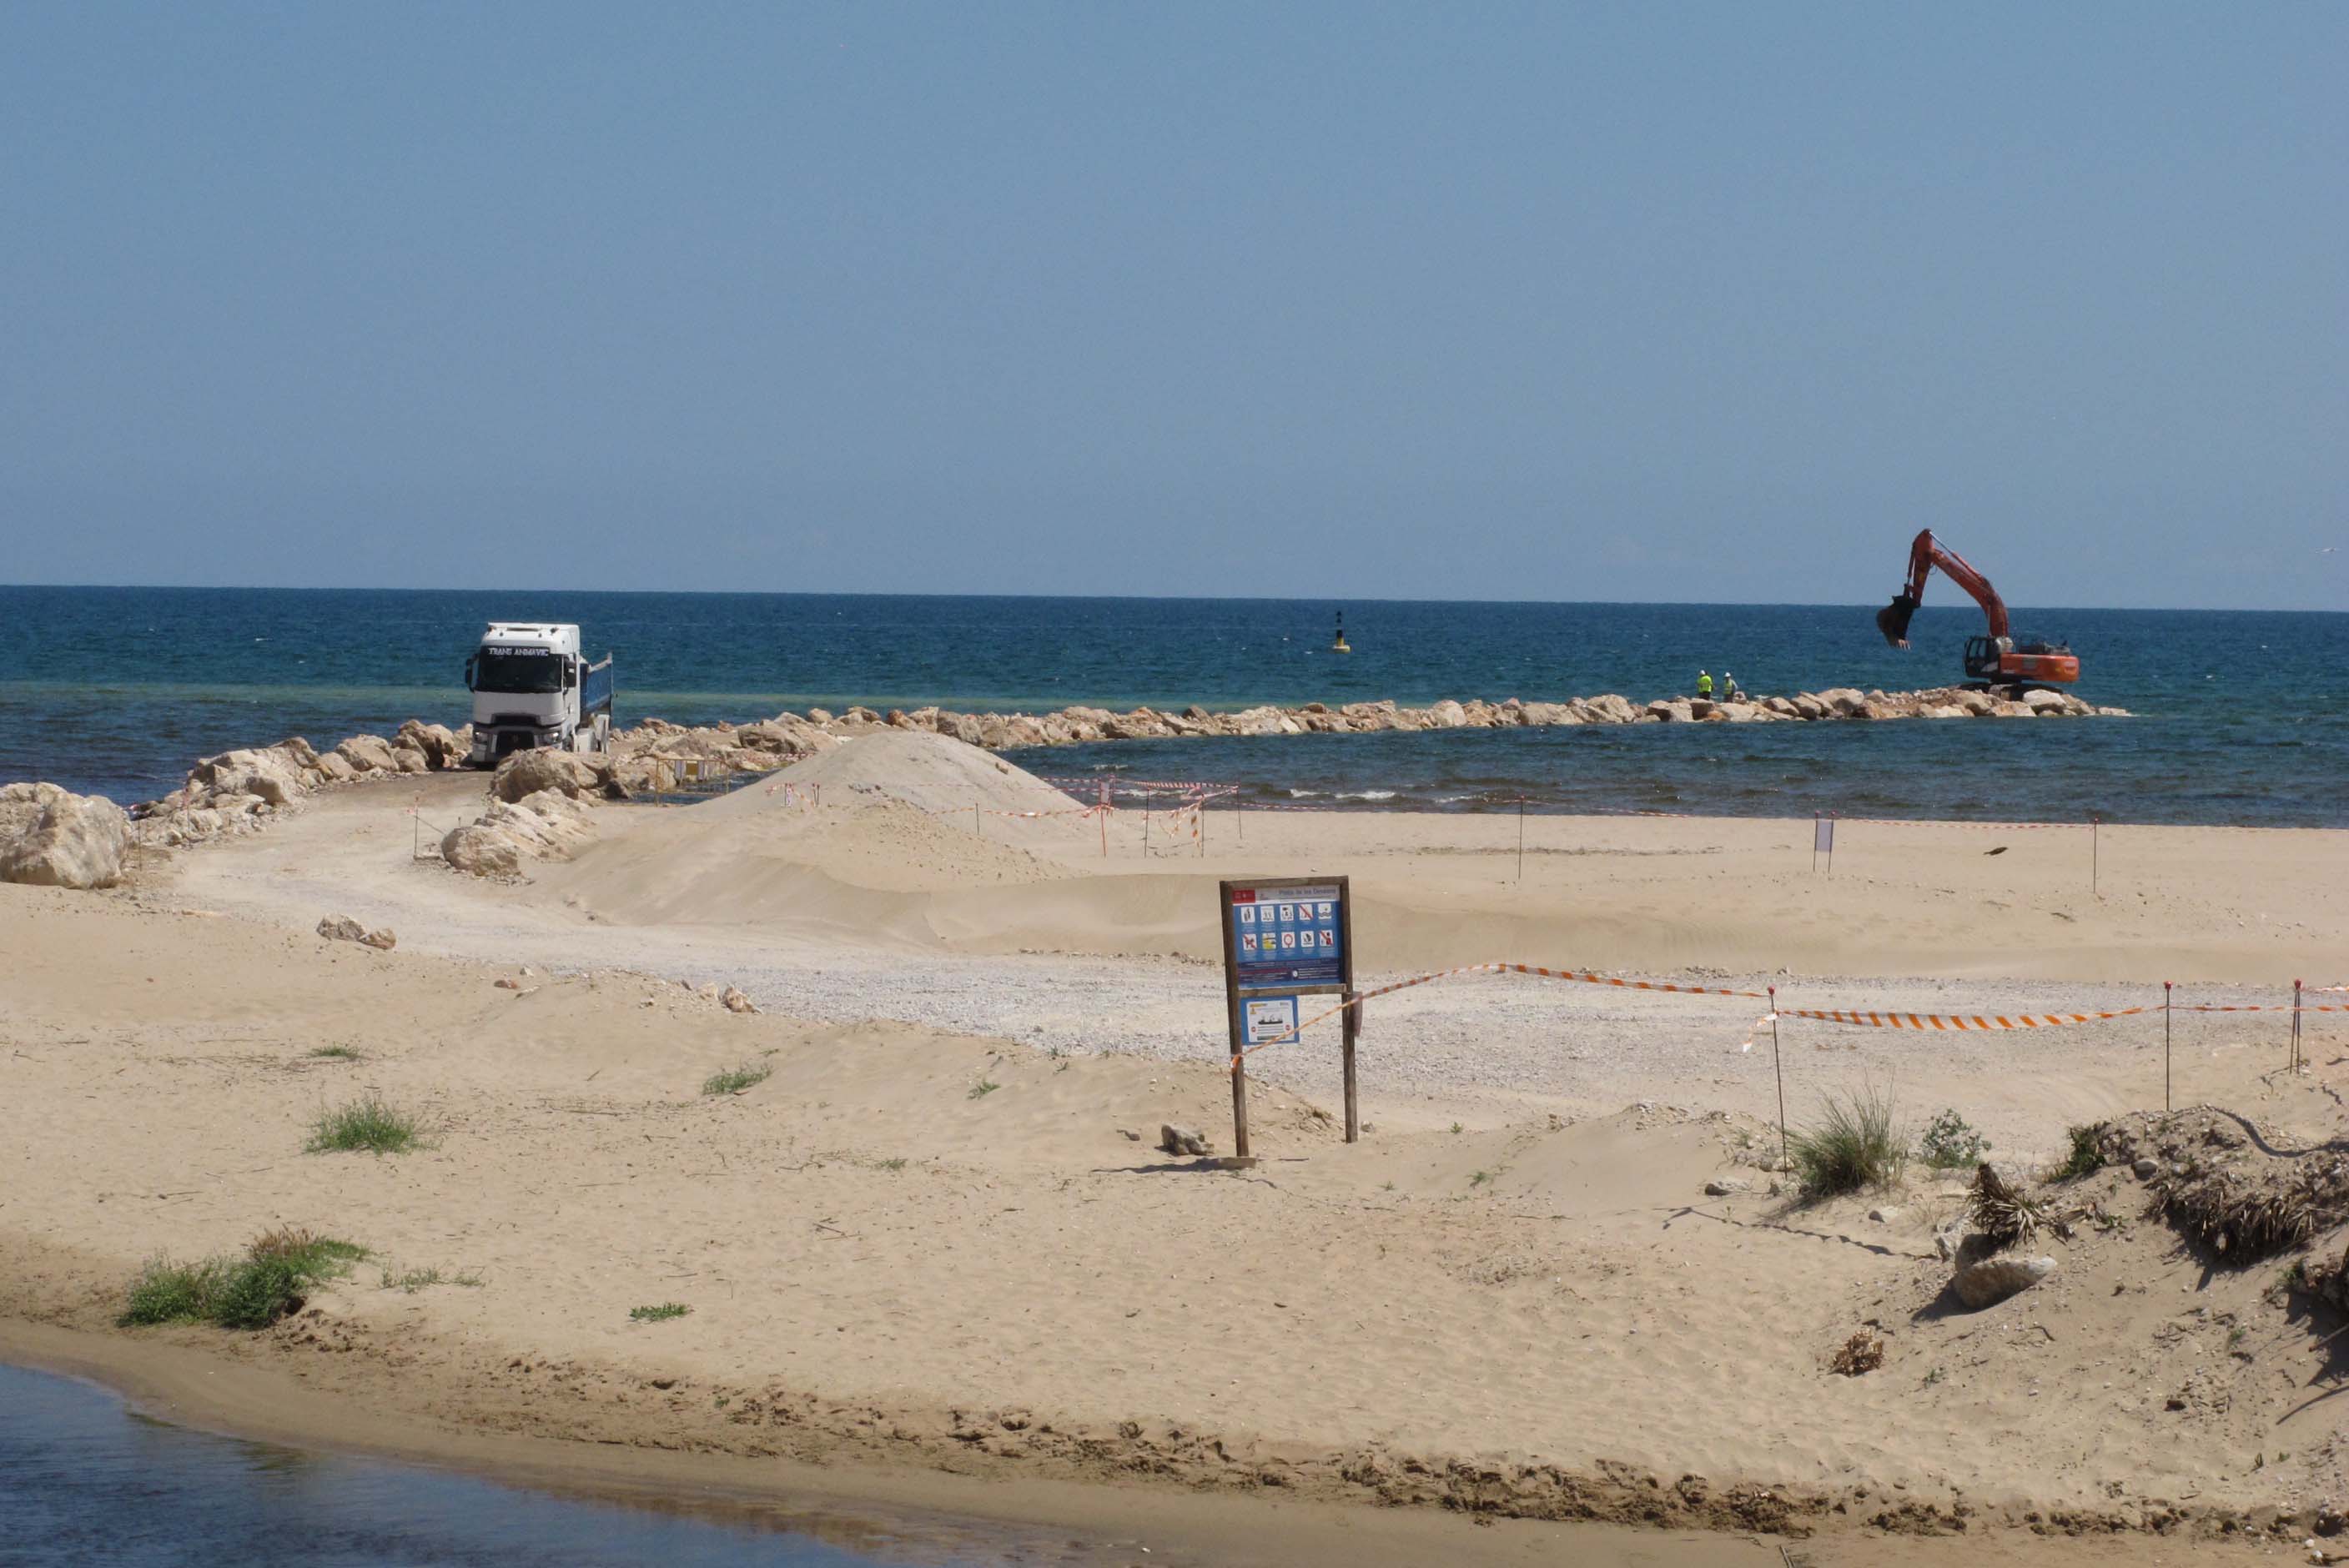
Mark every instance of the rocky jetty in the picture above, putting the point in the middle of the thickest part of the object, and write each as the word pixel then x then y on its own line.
pixel 1075 725
pixel 541 799
pixel 241 791
pixel 647 758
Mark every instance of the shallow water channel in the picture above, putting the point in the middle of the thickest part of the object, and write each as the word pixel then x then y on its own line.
pixel 84 1479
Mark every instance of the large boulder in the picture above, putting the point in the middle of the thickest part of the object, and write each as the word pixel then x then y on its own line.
pixel 528 773
pixel 436 742
pixel 645 775
pixel 367 754
pixel 61 838
pixel 274 775
pixel 2041 701
pixel 547 825
pixel 1611 707
pixel 1844 702
pixel 482 850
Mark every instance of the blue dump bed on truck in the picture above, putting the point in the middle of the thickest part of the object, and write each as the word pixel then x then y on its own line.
pixel 596 690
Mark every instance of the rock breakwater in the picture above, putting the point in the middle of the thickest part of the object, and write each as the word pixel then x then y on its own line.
pixel 1076 726
pixel 240 791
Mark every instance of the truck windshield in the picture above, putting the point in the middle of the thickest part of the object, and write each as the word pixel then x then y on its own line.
pixel 532 670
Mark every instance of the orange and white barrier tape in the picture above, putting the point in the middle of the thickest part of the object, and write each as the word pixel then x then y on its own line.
pixel 1960 1021
pixel 1981 827
pixel 1580 977
pixel 1931 1022
pixel 1122 783
pixel 989 811
pixel 2026 1020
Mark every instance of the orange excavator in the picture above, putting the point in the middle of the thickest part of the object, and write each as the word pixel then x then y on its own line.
pixel 1996 659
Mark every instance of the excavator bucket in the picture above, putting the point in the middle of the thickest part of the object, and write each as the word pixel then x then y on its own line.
pixel 1893 620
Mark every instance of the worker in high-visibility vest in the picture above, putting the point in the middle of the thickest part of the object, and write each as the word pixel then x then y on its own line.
pixel 1704 682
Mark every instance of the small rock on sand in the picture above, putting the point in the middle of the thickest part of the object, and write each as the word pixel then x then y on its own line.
pixel 1183 1140
pixel 735 1001
pixel 2146 1170
pixel 1724 1186
pixel 1992 1281
pixel 343 928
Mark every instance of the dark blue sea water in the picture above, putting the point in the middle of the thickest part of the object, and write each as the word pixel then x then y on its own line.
pixel 83 1480
pixel 2244 716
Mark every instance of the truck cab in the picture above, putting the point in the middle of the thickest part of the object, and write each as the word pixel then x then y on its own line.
pixel 531 687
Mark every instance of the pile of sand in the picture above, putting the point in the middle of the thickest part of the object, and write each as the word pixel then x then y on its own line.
pixel 862 838
pixel 931 773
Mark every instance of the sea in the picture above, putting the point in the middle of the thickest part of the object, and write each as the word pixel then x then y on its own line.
pixel 2239 717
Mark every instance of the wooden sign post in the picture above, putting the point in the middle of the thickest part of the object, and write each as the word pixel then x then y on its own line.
pixel 1285 938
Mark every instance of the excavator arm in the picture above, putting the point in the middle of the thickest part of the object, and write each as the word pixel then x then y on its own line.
pixel 1924 555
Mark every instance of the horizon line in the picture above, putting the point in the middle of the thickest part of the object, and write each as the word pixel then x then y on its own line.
pixel 1145 598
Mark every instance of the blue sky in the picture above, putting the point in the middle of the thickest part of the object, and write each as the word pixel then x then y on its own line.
pixel 1638 302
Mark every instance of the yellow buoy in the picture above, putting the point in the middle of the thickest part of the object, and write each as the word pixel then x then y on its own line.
pixel 1337 645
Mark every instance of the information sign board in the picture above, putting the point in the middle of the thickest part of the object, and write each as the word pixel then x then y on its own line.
pixel 1267 1019
pixel 1285 937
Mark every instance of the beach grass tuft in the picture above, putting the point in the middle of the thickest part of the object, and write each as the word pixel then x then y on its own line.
pixel 2088 1154
pixel 369 1123
pixel 1949 1142
pixel 271 1280
pixel 983 1088
pixel 410 1281
pixel 336 1053
pixel 734 1080
pixel 1855 1144
pixel 660 1314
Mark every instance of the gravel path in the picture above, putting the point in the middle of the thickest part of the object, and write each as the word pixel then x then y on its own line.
pixel 1481 1048
pixel 1484 1047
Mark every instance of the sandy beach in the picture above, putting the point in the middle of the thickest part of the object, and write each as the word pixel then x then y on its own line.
pixel 934 1244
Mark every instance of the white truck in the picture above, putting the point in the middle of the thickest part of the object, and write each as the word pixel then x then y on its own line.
pixel 530 688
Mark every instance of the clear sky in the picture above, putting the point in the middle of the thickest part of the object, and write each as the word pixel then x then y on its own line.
pixel 1651 302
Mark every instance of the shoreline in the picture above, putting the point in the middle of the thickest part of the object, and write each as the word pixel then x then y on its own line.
pixel 912 1509
pixel 204 1391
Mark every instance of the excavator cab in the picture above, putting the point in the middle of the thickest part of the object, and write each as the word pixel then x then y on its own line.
pixel 2035 663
